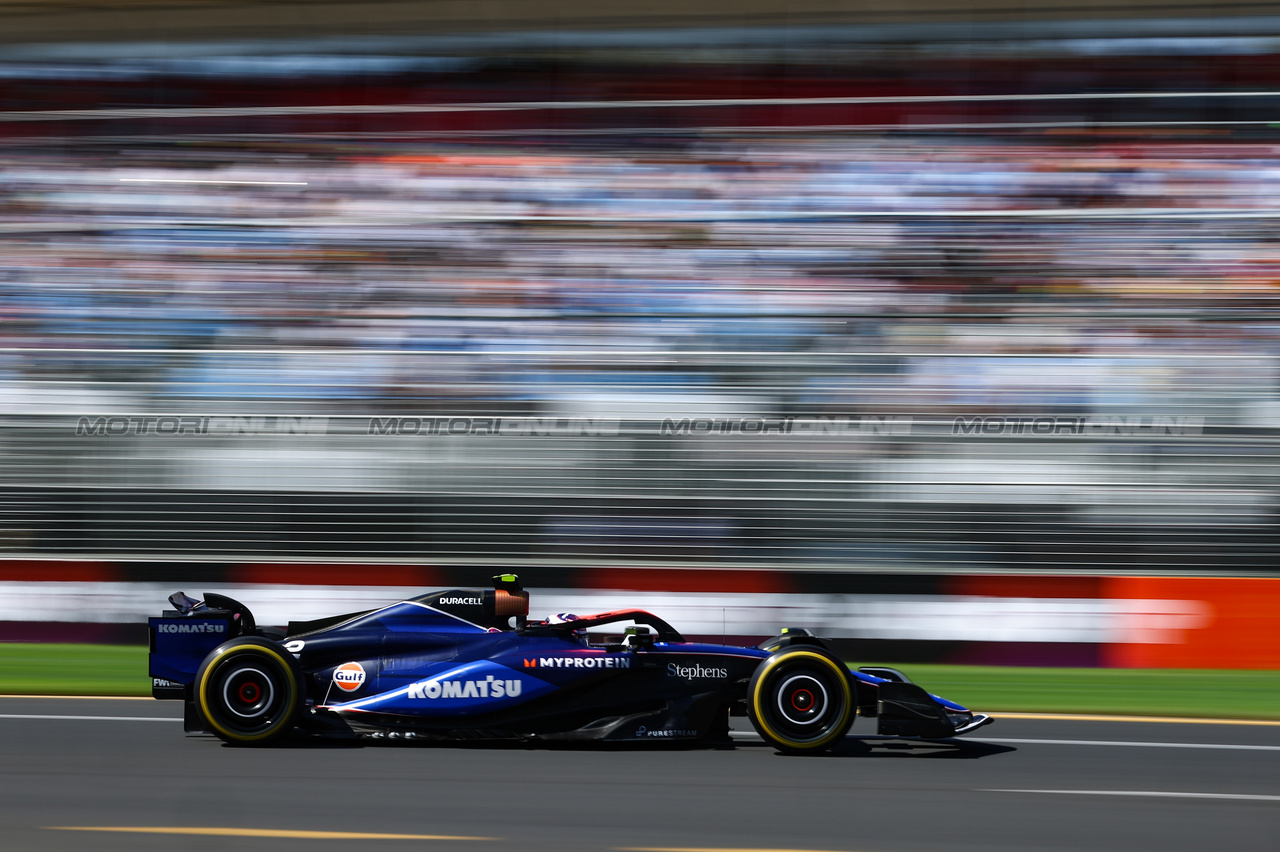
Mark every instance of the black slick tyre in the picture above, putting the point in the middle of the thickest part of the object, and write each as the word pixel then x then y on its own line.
pixel 801 700
pixel 248 691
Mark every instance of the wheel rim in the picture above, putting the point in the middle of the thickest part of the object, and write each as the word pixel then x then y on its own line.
pixel 246 696
pixel 802 702
pixel 247 692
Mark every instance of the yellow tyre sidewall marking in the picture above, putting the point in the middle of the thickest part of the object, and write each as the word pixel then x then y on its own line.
pixel 787 657
pixel 204 701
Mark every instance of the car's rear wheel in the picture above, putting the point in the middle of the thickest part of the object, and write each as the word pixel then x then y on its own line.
pixel 247 691
pixel 801 700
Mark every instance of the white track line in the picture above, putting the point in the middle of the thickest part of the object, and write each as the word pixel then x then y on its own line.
pixel 751 736
pixel 90 718
pixel 1127 744
pixel 1154 794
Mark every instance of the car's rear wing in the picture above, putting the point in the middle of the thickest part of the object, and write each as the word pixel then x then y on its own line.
pixel 181 638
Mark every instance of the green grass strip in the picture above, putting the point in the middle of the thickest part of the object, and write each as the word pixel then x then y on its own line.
pixel 32 669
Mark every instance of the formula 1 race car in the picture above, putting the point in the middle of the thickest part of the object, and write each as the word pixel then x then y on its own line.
pixel 467 664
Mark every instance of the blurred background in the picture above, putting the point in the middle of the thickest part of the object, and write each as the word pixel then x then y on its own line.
pixel 868 299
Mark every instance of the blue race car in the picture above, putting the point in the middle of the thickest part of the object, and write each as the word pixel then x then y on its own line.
pixel 469 664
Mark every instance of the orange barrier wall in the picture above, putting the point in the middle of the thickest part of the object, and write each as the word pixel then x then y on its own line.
pixel 1228 623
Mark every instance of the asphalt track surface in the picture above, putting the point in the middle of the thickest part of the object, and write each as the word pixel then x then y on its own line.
pixel 67 765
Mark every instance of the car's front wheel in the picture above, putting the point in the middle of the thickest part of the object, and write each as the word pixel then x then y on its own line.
pixel 801 700
pixel 248 691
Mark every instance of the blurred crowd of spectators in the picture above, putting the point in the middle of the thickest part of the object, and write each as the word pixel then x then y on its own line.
pixel 856 271
pixel 1065 261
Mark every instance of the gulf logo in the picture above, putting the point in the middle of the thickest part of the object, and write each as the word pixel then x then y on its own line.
pixel 349 676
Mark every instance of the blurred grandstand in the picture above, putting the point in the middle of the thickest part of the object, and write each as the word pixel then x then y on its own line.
pixel 829 263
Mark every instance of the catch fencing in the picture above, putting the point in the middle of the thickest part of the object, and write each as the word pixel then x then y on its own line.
pixel 851 461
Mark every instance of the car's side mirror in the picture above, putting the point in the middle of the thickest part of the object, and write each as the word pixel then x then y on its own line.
pixel 637 637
